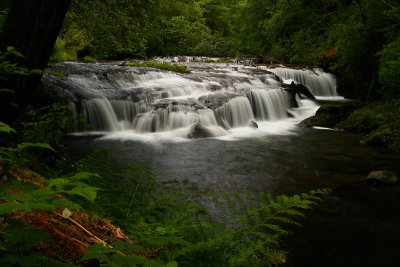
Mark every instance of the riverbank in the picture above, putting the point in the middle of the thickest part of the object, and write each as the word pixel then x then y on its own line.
pixel 378 121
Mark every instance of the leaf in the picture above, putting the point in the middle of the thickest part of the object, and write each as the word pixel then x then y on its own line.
pixel 88 193
pixel 66 213
pixel 82 176
pixel 4 128
pixel 36 71
pixel 23 146
pixel 5 90
pixel 8 207
pixel 178 241
pixel 172 264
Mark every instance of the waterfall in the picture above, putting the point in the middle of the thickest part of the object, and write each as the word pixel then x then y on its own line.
pixel 204 103
pixel 237 112
pixel 100 114
pixel 269 104
pixel 320 83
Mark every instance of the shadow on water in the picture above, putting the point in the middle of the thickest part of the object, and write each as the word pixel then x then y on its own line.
pixel 357 225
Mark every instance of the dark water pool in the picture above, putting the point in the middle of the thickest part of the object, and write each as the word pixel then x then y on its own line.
pixel 358 225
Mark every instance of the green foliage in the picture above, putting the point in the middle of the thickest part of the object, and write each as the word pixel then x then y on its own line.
pixel 17 243
pixel 73 44
pixel 362 120
pixel 15 195
pixel 61 53
pixel 19 246
pixel 4 128
pixel 379 121
pixel 140 29
pixel 389 68
pixel 248 231
pixel 3 16
pixel 126 194
pixel 46 125
pixel 8 66
pixel 10 155
pixel 158 65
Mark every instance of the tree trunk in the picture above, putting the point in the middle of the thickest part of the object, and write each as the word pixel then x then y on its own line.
pixel 361 3
pixel 32 28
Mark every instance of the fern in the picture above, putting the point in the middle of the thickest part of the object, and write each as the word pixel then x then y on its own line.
pixel 126 193
pixel 250 229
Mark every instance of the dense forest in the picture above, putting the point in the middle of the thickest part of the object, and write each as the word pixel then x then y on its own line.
pixel 358 41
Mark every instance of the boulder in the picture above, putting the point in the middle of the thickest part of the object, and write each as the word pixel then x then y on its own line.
pixel 199 131
pixel 382 178
pixel 330 115
pixel 253 124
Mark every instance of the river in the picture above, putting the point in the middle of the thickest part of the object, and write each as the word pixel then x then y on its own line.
pixel 157 117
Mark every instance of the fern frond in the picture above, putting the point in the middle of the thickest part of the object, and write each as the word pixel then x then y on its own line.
pixel 96 162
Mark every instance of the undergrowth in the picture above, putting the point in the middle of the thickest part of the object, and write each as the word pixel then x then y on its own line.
pixel 379 121
pixel 170 229
pixel 243 230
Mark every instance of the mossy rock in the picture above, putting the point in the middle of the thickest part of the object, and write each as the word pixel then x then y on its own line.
pixel 329 115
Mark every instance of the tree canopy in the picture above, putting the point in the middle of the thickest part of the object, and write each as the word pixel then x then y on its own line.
pixel 353 39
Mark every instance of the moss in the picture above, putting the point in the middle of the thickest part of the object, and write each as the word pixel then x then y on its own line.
pixel 158 65
pixel 363 120
pixel 61 53
pixel 329 115
pixel 379 120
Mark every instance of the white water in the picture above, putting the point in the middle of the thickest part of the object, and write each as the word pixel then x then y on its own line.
pixel 237 112
pixel 269 104
pixel 219 100
pixel 320 83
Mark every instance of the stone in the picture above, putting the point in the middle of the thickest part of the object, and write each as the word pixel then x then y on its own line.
pixel 199 131
pixel 253 124
pixel 382 178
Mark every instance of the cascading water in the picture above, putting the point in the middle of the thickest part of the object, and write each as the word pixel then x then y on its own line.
pixel 237 112
pixel 270 104
pixel 320 83
pixel 213 100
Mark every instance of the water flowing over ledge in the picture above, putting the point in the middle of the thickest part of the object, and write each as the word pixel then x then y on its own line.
pixel 218 100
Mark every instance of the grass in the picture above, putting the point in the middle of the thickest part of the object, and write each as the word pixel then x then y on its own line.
pixel 61 53
pixel 158 65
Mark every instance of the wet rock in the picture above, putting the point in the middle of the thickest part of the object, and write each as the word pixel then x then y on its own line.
pixel 199 131
pixel 164 103
pixel 382 178
pixel 329 115
pixel 253 124
pixel 216 100
pixel 299 89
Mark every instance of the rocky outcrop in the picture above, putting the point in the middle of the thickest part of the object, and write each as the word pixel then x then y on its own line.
pixel 329 115
pixel 216 100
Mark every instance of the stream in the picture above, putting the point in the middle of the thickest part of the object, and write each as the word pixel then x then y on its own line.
pixel 231 127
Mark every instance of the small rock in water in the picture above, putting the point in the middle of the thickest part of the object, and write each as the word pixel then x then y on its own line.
pixel 199 131
pixel 382 177
pixel 253 124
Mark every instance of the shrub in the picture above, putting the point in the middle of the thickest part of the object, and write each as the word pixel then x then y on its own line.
pixel 389 68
